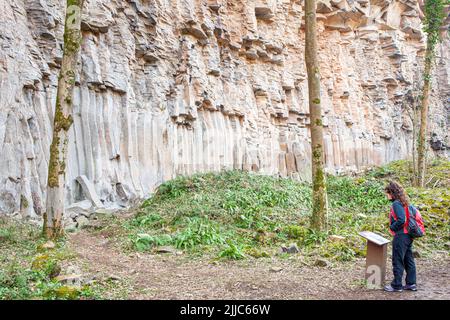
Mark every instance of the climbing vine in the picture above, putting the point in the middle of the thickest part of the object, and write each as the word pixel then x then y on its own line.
pixel 434 18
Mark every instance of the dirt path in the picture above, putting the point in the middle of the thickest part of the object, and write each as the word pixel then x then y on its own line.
pixel 168 276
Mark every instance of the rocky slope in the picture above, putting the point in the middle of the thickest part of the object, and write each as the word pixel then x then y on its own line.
pixel 170 87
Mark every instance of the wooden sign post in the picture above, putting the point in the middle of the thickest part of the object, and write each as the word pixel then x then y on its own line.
pixel 375 258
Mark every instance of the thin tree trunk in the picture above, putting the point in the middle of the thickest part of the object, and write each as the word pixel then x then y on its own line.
pixel 318 219
pixel 421 146
pixel 52 227
pixel 414 147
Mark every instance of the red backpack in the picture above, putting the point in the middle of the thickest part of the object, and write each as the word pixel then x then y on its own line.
pixel 414 223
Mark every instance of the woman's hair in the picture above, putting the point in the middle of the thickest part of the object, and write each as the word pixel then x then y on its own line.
pixel 397 192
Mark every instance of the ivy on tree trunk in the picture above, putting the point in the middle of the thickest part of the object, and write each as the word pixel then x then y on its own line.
pixel 434 18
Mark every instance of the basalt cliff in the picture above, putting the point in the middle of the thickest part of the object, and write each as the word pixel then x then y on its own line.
pixel 174 87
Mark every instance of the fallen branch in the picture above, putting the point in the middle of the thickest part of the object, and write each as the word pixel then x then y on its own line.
pixel 437 181
pixel 432 177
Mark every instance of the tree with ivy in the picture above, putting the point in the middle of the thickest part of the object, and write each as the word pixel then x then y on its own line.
pixel 319 214
pixel 63 120
pixel 434 15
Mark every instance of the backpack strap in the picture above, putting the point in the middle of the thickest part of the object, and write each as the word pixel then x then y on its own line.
pixel 393 214
pixel 405 226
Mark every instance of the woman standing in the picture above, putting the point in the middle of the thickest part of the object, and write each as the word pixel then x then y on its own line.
pixel 402 256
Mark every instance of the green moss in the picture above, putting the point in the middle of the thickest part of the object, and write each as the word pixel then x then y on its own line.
pixel 40 261
pixel 319 180
pixel 257 253
pixel 72 40
pixel 53 166
pixel 77 3
pixel 67 292
pixel 23 201
pixel 48 265
pixel 72 36
pixel 317 152
pixel 316 101
pixel 61 122
pixel 295 231
pixel 56 165
pixel 62 167
pixel 319 122
pixel 70 78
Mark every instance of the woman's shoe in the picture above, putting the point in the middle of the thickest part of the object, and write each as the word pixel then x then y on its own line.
pixel 411 287
pixel 391 289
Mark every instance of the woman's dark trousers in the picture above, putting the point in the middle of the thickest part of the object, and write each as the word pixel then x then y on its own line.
pixel 403 259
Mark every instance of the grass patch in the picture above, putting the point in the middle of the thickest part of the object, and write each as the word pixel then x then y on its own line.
pixel 237 215
pixel 436 175
pixel 28 271
pixel 225 212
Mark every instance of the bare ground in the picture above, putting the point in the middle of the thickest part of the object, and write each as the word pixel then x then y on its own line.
pixel 169 276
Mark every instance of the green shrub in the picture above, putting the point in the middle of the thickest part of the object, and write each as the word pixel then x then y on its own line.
pixel 340 251
pixel 198 231
pixel 232 251
pixel 6 235
pixel 313 237
pixel 14 283
pixel 143 241
pixel 256 253
pixel 296 232
pixel 151 219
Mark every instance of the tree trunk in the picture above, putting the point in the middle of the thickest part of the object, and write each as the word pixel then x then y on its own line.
pixel 414 146
pixel 52 227
pixel 318 219
pixel 421 145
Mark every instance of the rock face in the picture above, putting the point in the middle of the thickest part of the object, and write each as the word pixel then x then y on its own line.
pixel 170 88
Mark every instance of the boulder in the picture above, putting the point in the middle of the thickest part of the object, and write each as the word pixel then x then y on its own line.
pixel 82 221
pixel 89 191
pixel 291 249
pixel 114 277
pixel 70 226
pixel 79 208
pixel 166 249
pixel 70 279
pixel 48 245
pixel 320 262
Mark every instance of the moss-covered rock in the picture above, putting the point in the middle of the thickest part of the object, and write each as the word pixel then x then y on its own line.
pixel 64 293
pixel 47 265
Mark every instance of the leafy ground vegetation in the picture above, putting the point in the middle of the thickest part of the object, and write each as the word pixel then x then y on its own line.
pixel 228 219
pixel 234 214
pixel 27 268
pixel 31 267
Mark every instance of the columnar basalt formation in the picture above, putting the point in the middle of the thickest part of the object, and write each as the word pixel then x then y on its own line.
pixel 173 87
